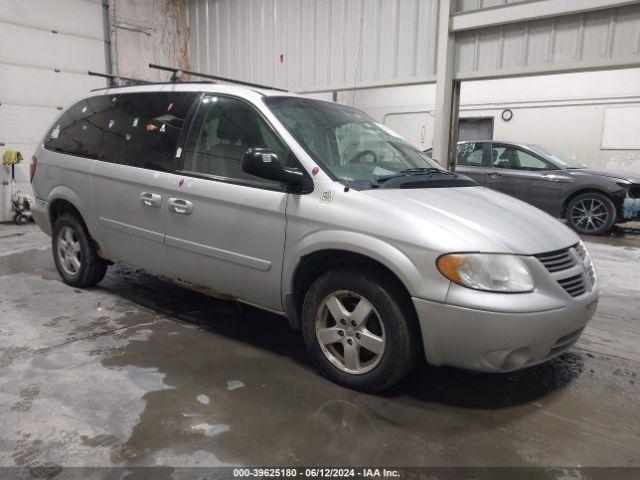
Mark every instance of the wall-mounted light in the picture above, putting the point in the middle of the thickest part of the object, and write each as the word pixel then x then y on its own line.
pixel 507 115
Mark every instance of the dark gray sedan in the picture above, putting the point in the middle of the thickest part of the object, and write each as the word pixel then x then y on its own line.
pixel 590 200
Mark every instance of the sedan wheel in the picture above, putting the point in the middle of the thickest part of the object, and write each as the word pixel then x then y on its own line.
pixel 591 214
pixel 350 332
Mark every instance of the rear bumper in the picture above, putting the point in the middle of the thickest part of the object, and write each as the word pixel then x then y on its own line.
pixel 500 341
pixel 40 213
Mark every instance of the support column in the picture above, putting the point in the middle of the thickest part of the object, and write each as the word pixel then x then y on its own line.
pixel 106 30
pixel 453 126
pixel 447 91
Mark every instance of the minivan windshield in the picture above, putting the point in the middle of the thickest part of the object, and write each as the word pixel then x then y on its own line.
pixel 349 143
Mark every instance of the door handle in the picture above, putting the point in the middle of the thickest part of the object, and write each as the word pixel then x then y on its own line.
pixel 550 177
pixel 152 200
pixel 495 175
pixel 180 206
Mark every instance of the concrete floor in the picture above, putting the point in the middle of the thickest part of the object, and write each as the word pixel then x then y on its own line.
pixel 139 372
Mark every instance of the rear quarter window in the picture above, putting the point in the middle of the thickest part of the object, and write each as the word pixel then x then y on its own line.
pixel 136 129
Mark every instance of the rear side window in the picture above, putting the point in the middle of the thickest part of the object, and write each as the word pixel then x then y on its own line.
pixel 136 129
pixel 76 131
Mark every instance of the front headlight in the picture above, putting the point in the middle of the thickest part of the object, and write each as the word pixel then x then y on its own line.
pixel 488 272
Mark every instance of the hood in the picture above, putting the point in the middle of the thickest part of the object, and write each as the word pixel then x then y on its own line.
pixel 635 178
pixel 485 220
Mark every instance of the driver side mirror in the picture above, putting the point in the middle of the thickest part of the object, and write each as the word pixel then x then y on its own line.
pixel 265 163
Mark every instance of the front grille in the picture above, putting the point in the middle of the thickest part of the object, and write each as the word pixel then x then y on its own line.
pixel 575 286
pixel 558 260
pixel 579 274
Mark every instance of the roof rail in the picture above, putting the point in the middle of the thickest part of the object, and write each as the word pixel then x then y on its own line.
pixel 177 74
pixel 116 80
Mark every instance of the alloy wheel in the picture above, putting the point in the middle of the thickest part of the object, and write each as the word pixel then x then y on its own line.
pixel 69 251
pixel 350 332
pixel 589 215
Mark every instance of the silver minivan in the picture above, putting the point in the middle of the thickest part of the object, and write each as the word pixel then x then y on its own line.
pixel 314 211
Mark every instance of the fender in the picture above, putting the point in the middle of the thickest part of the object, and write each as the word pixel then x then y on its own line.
pixel 372 247
pixel 60 192
pixel 614 191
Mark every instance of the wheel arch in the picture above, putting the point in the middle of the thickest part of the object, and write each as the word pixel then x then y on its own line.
pixel 582 191
pixel 324 252
pixel 64 200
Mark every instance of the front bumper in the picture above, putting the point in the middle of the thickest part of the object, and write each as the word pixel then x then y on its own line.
pixel 501 341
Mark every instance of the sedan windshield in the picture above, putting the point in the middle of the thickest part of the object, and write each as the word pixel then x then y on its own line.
pixel 349 143
pixel 558 159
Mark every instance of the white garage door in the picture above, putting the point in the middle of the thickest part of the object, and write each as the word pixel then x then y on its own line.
pixel 46 49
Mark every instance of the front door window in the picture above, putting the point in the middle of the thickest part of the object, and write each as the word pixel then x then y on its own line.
pixel 223 130
pixel 513 158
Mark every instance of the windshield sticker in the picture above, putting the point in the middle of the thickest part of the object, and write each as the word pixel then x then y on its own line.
pixel 387 130
pixel 55 133
pixel 111 123
pixel 178 152
pixel 162 128
pixel 327 196
pixel 135 122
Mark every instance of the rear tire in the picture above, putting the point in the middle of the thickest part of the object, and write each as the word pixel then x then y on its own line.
pixel 74 253
pixel 357 331
pixel 591 214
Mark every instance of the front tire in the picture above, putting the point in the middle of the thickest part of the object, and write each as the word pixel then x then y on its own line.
pixel 357 331
pixel 74 253
pixel 591 214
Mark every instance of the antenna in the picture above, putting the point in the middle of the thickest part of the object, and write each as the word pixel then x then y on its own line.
pixel 355 81
pixel 177 74
pixel 117 80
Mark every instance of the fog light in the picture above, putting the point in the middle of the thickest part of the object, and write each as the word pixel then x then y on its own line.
pixel 516 359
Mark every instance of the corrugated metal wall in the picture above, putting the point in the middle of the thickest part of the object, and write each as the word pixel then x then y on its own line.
pixel 465 5
pixel 312 44
pixel 591 40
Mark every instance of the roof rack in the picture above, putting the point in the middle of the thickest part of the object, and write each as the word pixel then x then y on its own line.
pixel 177 73
pixel 117 80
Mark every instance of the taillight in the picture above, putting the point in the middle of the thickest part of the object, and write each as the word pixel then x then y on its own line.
pixel 34 165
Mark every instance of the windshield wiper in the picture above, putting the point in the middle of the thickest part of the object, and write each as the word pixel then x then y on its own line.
pixel 415 171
